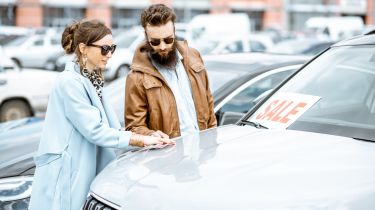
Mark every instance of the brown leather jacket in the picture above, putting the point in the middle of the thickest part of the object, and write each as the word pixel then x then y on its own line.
pixel 149 102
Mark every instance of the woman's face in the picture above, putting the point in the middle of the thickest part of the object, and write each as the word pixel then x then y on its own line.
pixel 95 58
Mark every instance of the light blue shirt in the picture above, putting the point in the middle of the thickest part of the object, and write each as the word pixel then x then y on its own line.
pixel 179 83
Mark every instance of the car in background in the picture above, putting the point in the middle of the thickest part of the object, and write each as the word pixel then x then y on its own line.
pixel 23 92
pixel 301 46
pixel 309 144
pixel 233 44
pixel 32 51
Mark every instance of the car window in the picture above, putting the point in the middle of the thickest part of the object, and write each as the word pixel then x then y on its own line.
pixel 126 39
pixel 38 42
pixel 256 46
pixel 55 42
pixel 234 47
pixel 344 79
pixel 242 101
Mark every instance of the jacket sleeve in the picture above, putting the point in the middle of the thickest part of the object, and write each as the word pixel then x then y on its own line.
pixel 212 118
pixel 136 108
pixel 86 118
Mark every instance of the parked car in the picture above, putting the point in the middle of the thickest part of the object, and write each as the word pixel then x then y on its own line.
pixel 318 152
pixel 23 92
pixel 32 51
pixel 301 46
pixel 233 44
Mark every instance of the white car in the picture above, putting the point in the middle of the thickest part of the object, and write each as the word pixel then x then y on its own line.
pixel 33 51
pixel 237 44
pixel 23 93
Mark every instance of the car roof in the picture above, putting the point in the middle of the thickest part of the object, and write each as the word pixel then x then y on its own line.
pixel 367 39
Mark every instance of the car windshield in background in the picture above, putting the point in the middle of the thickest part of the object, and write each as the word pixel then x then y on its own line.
pixel 343 81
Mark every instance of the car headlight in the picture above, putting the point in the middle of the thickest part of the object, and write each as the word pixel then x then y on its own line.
pixel 15 192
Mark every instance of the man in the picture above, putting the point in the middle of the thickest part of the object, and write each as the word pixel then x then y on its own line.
pixel 167 91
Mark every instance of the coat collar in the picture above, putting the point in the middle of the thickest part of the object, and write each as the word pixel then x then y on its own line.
pixel 107 114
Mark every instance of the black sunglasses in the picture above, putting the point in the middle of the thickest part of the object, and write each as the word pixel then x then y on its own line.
pixel 105 48
pixel 156 42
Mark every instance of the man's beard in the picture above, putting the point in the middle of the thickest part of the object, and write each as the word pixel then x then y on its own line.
pixel 168 61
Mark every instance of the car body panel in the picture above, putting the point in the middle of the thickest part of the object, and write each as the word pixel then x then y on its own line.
pixel 246 168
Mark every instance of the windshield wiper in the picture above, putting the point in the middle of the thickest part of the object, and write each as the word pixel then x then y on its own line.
pixel 254 124
pixel 359 139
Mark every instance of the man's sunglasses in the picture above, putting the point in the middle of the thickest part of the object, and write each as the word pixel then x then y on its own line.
pixel 105 49
pixel 156 42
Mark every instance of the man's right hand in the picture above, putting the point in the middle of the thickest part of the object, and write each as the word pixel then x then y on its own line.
pixel 141 140
pixel 160 134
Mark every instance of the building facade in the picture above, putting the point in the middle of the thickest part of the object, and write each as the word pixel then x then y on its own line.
pixel 284 14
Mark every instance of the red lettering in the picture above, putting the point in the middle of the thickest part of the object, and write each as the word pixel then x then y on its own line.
pixel 267 109
pixel 277 116
pixel 294 111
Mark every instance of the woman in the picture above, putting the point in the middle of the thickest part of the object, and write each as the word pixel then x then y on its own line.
pixel 80 128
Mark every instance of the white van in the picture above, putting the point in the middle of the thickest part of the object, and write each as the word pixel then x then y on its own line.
pixel 335 28
pixel 208 25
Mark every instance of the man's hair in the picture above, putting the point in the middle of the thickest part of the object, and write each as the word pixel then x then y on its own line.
pixel 157 15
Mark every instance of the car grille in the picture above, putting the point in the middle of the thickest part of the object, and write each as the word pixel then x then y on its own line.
pixel 94 204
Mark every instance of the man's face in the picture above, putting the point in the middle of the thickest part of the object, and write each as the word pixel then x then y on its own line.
pixel 161 39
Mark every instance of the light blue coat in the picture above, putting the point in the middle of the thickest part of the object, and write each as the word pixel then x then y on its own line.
pixel 78 136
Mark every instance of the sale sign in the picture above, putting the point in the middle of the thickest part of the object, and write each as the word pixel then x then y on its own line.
pixel 282 109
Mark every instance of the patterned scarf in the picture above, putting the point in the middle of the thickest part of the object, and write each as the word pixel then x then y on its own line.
pixel 96 80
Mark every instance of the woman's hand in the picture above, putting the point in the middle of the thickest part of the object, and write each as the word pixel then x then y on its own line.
pixel 141 140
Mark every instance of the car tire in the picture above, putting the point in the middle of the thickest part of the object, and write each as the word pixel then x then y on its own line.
pixel 121 71
pixel 17 62
pixel 14 109
pixel 50 65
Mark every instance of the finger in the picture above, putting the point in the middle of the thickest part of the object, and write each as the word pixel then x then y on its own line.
pixel 163 135
pixel 156 134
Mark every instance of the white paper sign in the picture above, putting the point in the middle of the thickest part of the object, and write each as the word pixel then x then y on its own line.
pixel 282 109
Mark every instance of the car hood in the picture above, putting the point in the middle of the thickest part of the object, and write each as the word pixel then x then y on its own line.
pixel 247 168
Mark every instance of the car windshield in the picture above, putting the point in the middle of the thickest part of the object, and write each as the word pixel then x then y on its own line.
pixel 343 82
pixel 16 42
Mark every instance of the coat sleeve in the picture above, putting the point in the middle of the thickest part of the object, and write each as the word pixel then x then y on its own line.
pixel 86 118
pixel 136 109
pixel 212 118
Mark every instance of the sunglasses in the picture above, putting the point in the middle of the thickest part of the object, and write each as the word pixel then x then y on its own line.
pixel 105 49
pixel 156 42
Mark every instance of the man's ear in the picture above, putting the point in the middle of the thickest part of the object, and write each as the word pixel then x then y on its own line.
pixel 82 48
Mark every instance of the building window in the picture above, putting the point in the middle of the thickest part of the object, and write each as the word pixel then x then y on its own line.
pixel 125 18
pixel 61 16
pixel 184 15
pixel 7 14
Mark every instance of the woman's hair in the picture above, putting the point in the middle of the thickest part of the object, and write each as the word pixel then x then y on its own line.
pixel 85 31
pixel 157 15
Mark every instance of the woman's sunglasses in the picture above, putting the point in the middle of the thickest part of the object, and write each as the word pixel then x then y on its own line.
pixel 156 42
pixel 105 49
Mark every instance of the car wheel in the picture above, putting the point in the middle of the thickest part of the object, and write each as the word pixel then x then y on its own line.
pixel 122 71
pixel 50 65
pixel 17 62
pixel 14 109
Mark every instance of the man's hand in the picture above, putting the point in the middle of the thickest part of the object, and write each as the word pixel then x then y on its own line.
pixel 160 134
pixel 141 140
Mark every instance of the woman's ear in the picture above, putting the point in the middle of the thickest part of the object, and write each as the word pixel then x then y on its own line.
pixel 82 48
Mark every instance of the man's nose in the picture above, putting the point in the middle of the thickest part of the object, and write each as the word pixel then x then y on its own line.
pixel 162 45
